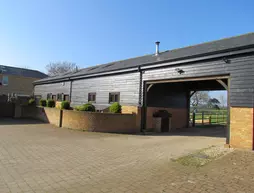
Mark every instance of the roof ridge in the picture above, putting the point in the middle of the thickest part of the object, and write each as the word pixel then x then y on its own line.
pixel 211 41
pixel 171 50
pixel 210 47
pixel 21 68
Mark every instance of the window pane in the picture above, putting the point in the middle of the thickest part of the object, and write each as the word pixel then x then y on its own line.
pixel 110 98
pixel 48 96
pixel 37 99
pixel 91 97
pixel 116 98
pixel 59 97
pixel 66 97
pixel 5 80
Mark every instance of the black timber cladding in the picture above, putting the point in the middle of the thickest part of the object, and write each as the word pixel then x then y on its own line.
pixel 240 69
pixel 126 84
pixel 54 88
pixel 171 95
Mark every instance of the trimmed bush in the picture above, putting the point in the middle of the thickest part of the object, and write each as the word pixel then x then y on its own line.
pixel 51 103
pixel 43 103
pixel 31 102
pixel 115 108
pixel 65 105
pixel 86 107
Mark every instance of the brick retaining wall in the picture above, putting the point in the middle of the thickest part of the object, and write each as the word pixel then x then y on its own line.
pixel 100 122
pixel 45 114
pixel 88 121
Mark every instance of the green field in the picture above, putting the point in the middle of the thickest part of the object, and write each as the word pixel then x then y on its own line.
pixel 210 117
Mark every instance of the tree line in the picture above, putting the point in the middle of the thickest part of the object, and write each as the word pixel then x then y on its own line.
pixel 202 99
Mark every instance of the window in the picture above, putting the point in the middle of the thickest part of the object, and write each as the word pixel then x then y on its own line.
pixel 59 97
pixel 92 97
pixel 49 96
pixel 66 98
pixel 37 99
pixel 5 80
pixel 114 97
pixel 54 97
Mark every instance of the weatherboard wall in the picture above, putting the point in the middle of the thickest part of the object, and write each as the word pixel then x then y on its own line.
pixel 240 69
pixel 126 84
pixel 167 95
pixel 54 88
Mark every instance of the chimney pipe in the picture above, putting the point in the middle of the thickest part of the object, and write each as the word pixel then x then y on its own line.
pixel 157 48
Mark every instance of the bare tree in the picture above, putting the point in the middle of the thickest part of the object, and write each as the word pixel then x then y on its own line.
pixel 199 98
pixel 222 100
pixel 57 68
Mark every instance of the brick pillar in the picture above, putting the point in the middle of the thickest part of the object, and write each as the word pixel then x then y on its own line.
pixel 241 128
pixel 133 110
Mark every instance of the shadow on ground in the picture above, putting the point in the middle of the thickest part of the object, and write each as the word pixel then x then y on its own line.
pixel 12 121
pixel 206 131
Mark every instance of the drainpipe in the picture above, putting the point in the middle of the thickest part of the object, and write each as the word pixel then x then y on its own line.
pixel 70 89
pixel 140 85
pixel 142 97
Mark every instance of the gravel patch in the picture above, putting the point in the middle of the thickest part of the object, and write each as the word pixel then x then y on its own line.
pixel 204 156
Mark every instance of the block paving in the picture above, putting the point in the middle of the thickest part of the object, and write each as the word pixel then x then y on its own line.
pixel 36 158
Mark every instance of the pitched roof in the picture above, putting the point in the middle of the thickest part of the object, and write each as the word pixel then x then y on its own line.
pixel 207 48
pixel 21 72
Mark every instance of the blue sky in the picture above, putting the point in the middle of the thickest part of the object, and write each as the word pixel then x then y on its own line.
pixel 34 33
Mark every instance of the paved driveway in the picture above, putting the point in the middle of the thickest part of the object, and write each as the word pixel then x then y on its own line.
pixel 37 157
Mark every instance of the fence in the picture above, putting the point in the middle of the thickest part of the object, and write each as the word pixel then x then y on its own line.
pixel 209 118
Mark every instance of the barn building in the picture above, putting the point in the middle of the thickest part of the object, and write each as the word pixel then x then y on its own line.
pixel 166 80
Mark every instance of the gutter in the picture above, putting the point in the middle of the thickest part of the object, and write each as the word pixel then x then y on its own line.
pixel 184 61
pixel 158 64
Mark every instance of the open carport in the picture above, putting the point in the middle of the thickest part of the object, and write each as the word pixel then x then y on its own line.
pixel 174 97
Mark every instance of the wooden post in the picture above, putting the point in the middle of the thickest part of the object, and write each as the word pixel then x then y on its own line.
pixel 203 118
pixel 210 120
pixel 216 117
pixel 193 119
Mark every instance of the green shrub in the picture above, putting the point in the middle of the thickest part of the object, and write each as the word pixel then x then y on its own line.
pixel 43 103
pixel 86 107
pixel 65 105
pixel 115 108
pixel 51 103
pixel 31 102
